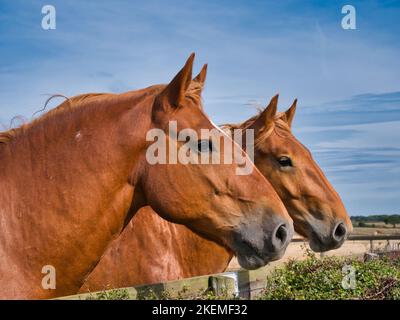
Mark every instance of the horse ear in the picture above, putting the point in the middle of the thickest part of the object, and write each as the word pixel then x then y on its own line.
pixel 267 116
pixel 201 77
pixel 198 82
pixel 175 91
pixel 289 113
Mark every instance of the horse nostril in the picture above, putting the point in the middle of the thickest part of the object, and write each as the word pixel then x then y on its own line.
pixel 339 232
pixel 280 238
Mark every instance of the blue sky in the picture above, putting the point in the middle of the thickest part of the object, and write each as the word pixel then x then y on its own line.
pixel 347 81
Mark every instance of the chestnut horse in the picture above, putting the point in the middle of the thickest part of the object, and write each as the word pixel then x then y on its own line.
pixel 71 181
pixel 312 202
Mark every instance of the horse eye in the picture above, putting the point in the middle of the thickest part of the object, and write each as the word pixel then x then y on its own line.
pixel 204 146
pixel 285 162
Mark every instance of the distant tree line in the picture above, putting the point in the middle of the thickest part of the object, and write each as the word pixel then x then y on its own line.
pixel 364 221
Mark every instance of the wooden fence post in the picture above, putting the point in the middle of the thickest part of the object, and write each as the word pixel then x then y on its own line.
pixel 223 286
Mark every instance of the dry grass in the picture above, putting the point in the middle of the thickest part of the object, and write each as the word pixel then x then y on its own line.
pixel 375 231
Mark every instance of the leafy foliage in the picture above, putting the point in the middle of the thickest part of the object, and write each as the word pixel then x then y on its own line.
pixel 316 278
pixel 116 294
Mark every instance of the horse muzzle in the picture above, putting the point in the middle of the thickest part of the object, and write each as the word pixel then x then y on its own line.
pixel 256 248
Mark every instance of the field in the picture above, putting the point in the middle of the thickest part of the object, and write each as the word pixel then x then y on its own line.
pixel 377 228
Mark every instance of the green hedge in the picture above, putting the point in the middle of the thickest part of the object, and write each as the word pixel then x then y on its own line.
pixel 316 278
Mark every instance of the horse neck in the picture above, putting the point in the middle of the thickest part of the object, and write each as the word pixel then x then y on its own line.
pixel 64 184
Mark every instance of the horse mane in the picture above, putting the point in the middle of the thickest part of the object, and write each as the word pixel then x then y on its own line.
pixel 68 105
pixel 280 126
pixel 193 93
